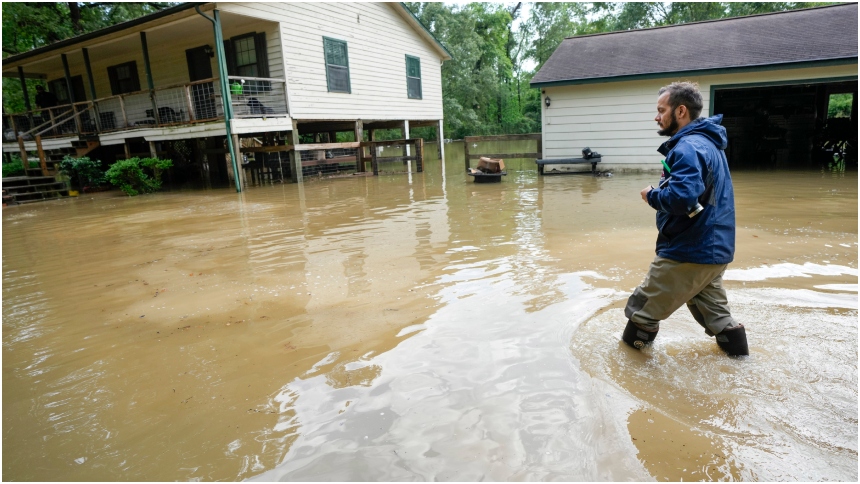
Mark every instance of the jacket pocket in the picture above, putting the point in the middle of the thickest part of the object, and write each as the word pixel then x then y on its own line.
pixel 671 226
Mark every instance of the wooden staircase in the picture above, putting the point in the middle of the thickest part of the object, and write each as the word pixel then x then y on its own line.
pixel 40 183
pixel 80 147
pixel 27 189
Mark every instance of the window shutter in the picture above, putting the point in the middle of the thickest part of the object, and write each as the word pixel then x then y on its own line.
pixel 135 79
pixel 230 54
pixel 114 82
pixel 262 55
pixel 413 77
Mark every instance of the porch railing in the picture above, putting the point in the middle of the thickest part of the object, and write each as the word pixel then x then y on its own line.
pixel 55 121
pixel 187 103
pixel 254 97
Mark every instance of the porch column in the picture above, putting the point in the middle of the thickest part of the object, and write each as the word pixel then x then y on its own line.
pixel 71 91
pixel 359 154
pixel 295 156
pixel 89 68
pixel 26 96
pixel 149 78
pixel 68 77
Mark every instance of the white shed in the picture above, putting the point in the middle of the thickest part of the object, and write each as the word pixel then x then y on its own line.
pixel 770 75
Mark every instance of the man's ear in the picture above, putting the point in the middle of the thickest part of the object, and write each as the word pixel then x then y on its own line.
pixel 682 110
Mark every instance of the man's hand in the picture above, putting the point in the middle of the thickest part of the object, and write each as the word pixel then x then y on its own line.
pixel 645 191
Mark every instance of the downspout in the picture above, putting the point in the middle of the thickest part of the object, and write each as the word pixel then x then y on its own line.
pixel 225 90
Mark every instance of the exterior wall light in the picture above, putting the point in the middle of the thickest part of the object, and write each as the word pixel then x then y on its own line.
pixel 547 101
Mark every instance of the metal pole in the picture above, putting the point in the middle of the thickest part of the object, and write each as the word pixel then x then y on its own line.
pixel 225 91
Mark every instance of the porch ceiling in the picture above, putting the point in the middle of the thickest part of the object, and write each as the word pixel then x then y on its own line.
pixel 159 36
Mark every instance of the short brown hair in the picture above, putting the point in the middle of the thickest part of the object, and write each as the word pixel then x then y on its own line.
pixel 686 93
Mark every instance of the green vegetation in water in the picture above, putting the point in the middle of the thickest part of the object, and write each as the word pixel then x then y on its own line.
pixel 82 172
pixel 130 177
pixel 16 167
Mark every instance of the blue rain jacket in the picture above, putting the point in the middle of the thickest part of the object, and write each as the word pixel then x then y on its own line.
pixel 699 172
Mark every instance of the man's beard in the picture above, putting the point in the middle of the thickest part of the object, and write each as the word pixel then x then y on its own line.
pixel 672 128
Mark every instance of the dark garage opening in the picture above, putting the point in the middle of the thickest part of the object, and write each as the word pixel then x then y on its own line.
pixel 802 126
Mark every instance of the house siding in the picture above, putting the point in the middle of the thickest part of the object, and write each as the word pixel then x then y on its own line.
pixel 378 40
pixel 616 119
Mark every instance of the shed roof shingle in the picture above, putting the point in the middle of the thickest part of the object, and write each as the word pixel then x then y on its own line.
pixel 809 35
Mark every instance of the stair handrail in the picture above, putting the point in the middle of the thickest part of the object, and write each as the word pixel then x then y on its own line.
pixel 62 120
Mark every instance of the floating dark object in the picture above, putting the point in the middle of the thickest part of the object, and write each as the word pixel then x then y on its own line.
pixel 481 177
pixel 489 170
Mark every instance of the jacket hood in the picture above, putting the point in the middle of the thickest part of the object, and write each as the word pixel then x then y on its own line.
pixel 710 128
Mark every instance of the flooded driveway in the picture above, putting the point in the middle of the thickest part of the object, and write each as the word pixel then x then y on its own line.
pixel 421 328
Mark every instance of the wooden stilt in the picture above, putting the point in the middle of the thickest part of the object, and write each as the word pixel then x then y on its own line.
pixel 359 154
pixel 295 156
pixel 419 154
pixel 43 161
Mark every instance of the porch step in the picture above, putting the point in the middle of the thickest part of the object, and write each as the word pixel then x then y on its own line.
pixel 84 145
pixel 26 189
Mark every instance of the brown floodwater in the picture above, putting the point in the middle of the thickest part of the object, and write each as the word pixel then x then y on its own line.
pixel 421 327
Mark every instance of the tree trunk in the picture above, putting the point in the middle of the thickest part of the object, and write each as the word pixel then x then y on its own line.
pixel 75 16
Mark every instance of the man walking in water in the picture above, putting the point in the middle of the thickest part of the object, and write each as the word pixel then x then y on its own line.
pixel 696 221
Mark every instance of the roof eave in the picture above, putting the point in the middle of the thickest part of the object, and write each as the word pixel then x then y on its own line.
pixel 699 72
pixel 15 60
pixel 423 30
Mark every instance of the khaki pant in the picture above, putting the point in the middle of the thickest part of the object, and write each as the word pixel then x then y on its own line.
pixel 669 284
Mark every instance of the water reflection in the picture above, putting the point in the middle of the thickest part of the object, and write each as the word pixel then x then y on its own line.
pixel 467 331
pixel 475 394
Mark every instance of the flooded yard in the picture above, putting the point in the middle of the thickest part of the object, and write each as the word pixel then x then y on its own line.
pixel 421 327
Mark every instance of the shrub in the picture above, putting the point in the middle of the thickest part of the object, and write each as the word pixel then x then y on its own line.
pixel 130 177
pixel 16 168
pixel 83 172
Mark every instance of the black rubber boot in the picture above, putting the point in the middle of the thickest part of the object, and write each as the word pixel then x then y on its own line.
pixel 637 337
pixel 734 341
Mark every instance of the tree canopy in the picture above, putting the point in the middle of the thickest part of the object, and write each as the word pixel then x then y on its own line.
pixel 30 25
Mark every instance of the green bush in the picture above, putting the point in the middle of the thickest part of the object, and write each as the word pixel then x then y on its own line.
pixel 83 172
pixel 16 168
pixel 840 105
pixel 130 177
